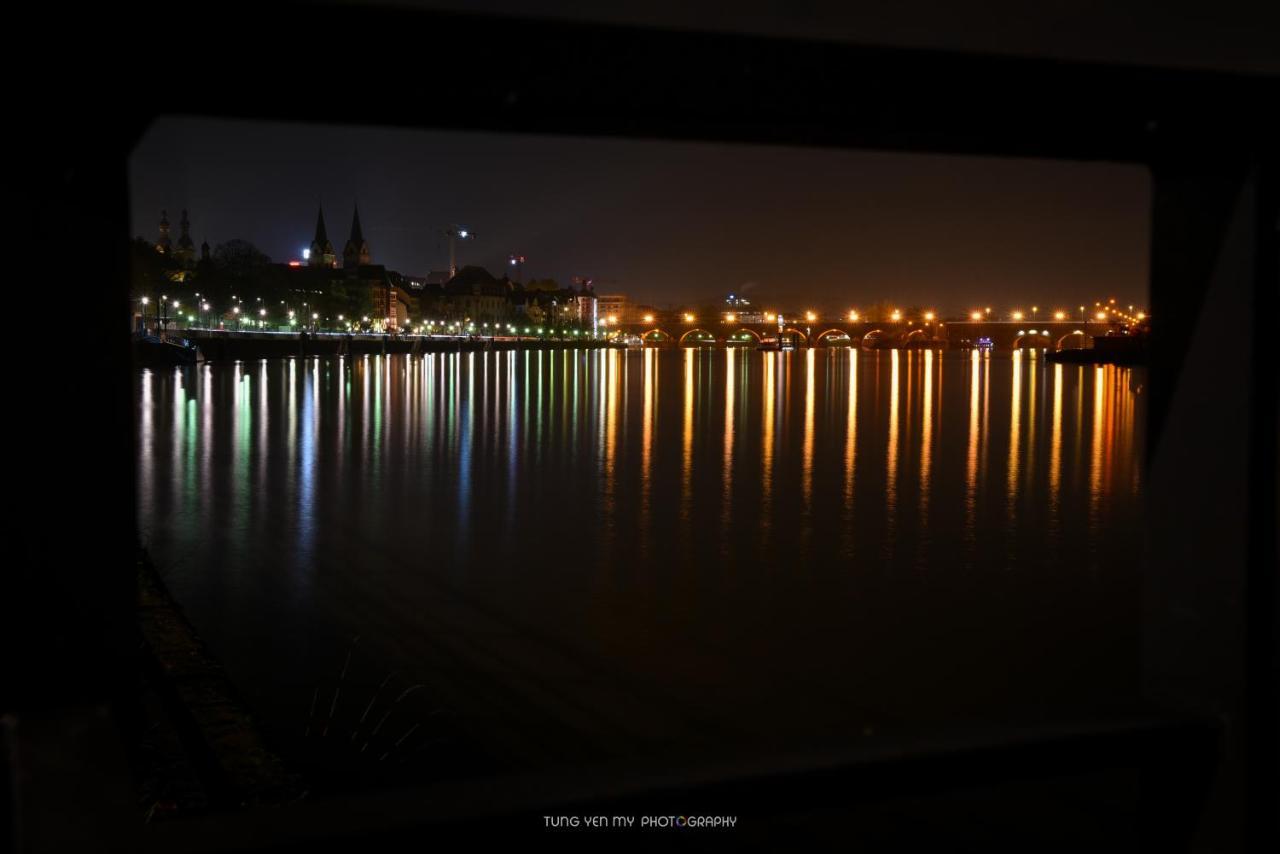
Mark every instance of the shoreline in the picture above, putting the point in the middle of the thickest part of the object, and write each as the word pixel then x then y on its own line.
pixel 226 345
pixel 220 736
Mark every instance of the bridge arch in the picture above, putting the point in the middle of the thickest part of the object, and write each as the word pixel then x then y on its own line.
pixel 655 336
pixel 745 331
pixel 873 337
pixel 832 334
pixel 700 337
pixel 1033 338
pixel 804 339
pixel 1079 340
pixel 920 334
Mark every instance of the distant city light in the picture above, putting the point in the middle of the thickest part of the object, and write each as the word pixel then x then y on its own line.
pixel 648 318
pixel 1059 315
pixel 688 318
pixel 853 316
pixel 977 315
pixel 306 254
pixel 928 315
pixel 897 315
pixel 810 316
pixel 1017 315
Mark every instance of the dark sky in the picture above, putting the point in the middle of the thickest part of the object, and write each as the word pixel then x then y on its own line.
pixel 667 222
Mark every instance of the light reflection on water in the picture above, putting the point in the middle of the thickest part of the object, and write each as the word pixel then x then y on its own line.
pixel 669 544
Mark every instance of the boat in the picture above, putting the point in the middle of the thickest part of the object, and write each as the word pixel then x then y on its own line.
pixel 156 352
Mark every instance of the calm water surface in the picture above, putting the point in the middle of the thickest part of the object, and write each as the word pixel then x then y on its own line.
pixel 592 556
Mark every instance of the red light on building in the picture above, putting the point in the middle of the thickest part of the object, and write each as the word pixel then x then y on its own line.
pixel 295 263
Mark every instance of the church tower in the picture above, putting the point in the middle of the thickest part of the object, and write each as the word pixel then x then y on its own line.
pixel 356 251
pixel 185 253
pixel 163 246
pixel 322 254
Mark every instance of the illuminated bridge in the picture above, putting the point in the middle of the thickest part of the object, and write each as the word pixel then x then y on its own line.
pixel 1050 334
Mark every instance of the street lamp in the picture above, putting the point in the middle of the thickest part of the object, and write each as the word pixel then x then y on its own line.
pixel 975 316
pixel 896 316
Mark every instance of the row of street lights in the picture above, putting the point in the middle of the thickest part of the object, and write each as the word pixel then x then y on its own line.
pixel 896 315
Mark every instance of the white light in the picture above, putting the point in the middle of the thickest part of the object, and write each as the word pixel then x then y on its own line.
pixel 306 254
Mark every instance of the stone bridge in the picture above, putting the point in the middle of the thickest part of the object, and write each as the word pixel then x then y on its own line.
pixel 1051 334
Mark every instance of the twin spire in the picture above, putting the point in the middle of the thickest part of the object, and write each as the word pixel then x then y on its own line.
pixel 354 254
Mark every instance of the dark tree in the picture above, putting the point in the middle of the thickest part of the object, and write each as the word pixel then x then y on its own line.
pixel 150 272
pixel 240 259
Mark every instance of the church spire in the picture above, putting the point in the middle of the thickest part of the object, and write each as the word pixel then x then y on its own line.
pixel 322 254
pixel 185 252
pixel 356 251
pixel 322 237
pixel 163 245
pixel 357 236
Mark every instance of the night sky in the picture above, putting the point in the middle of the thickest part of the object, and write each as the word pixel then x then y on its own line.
pixel 664 222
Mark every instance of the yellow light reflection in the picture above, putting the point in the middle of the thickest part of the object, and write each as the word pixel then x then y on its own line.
pixel 806 484
pixel 727 501
pixel 926 437
pixel 971 468
pixel 1096 450
pixel 891 470
pixel 766 450
pixel 851 430
pixel 686 474
pixel 1015 424
pixel 1055 446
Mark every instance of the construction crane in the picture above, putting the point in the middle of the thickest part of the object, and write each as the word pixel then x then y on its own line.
pixel 455 233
